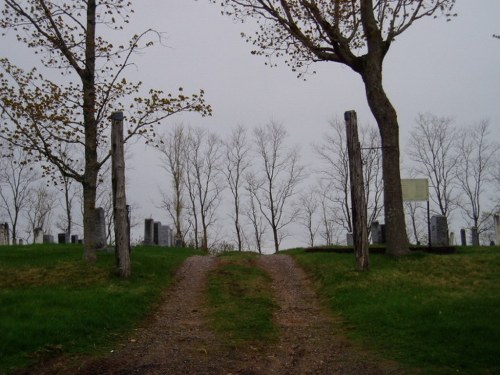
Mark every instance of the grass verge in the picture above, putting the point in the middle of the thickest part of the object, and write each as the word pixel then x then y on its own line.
pixel 440 314
pixel 51 302
pixel 241 301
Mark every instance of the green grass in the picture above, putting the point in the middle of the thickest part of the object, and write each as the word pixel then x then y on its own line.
pixel 437 313
pixel 52 302
pixel 241 301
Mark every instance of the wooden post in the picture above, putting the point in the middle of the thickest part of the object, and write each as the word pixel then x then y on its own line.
pixel 120 213
pixel 358 204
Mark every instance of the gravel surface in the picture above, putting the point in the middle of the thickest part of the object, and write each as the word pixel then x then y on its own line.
pixel 176 339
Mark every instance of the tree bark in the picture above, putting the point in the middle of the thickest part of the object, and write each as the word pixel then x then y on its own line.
pixel 90 125
pixel 386 117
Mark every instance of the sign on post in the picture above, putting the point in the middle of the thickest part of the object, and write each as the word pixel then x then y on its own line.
pixel 415 189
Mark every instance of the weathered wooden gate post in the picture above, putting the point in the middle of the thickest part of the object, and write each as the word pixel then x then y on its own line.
pixel 120 212
pixel 358 204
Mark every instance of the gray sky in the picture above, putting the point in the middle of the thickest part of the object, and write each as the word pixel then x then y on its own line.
pixel 447 68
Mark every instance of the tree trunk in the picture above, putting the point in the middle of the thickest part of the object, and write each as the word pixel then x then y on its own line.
pixel 120 214
pixel 386 117
pixel 91 161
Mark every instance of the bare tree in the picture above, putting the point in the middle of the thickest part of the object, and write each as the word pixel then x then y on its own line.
pixel 41 204
pixel 357 34
pixel 252 212
pixel 432 147
pixel 332 151
pixel 204 179
pixel 327 213
pixel 476 155
pixel 172 147
pixel 16 179
pixel 237 152
pixel 279 173
pixel 308 206
pixel 41 114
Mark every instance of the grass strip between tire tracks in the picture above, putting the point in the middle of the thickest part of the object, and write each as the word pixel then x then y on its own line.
pixel 241 301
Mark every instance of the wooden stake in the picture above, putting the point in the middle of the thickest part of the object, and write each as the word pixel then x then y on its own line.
pixel 120 212
pixel 358 204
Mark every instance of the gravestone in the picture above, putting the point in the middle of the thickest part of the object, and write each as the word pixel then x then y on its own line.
pixel 100 228
pixel 374 230
pixel 474 236
pixel 62 238
pixel 463 237
pixel 4 234
pixel 163 235
pixel 381 233
pixel 74 238
pixel 439 231
pixel 21 241
pixel 496 220
pixel 349 239
pixel 452 238
pixel 148 231
pixel 48 239
pixel 38 236
pixel 156 232
pixel 170 240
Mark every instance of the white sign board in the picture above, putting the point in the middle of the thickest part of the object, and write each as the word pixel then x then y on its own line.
pixel 415 189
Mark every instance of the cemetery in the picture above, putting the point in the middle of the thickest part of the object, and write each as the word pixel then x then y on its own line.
pixel 272 247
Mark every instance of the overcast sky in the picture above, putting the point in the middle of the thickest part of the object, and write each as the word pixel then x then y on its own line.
pixel 447 68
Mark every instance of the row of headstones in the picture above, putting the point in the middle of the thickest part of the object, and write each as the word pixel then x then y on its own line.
pixel 63 238
pixel 157 234
pixel 439 233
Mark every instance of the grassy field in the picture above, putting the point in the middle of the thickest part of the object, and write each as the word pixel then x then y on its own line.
pixel 241 301
pixel 51 302
pixel 438 313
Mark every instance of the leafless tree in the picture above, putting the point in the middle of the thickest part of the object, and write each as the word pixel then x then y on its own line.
pixel 278 172
pixel 328 224
pixel 172 147
pixel 16 179
pixel 357 34
pixel 43 113
pixel 308 206
pixel 236 163
pixel 334 173
pixel 41 204
pixel 203 179
pixel 432 147
pixel 476 155
pixel 252 212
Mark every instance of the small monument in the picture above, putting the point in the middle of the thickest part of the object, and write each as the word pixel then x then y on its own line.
pixel 4 234
pixel 148 232
pixel 48 239
pixel 38 236
pixel 463 237
pixel 474 236
pixel 349 239
pixel 62 238
pixel 439 231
